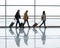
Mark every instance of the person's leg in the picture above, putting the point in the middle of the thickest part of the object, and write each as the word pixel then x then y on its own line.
pixel 24 21
pixel 41 24
pixel 28 24
pixel 44 24
pixel 19 22
pixel 16 24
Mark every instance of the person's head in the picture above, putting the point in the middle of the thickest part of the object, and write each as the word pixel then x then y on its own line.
pixel 18 10
pixel 26 11
pixel 43 12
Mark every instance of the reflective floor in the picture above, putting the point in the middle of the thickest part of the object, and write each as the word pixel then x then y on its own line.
pixel 30 37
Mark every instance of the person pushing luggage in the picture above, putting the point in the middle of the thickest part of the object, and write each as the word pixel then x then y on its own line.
pixel 43 18
pixel 17 17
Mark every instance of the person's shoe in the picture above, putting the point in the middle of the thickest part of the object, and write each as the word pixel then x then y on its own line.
pixel 29 26
pixel 40 26
pixel 45 27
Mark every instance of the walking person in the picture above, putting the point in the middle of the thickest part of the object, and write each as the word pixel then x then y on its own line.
pixel 17 17
pixel 26 18
pixel 43 18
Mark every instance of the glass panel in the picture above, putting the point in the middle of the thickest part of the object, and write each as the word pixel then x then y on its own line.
pixel 2 2
pixel 20 43
pixel 48 10
pixel 49 43
pixel 2 43
pixel 2 10
pixel 20 2
pixel 2 16
pixel 47 2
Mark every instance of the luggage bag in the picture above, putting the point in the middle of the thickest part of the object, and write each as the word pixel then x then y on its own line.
pixel 34 25
pixel 12 23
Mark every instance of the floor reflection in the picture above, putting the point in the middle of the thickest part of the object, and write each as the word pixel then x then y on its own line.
pixel 26 33
pixel 26 37
pixel 11 31
pixel 18 32
pixel 43 37
pixel 35 31
pixel 17 39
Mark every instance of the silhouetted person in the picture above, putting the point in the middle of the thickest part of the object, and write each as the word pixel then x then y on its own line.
pixel 17 17
pixel 26 18
pixel 43 18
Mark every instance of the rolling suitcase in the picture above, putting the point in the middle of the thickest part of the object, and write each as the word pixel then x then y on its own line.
pixel 11 24
pixel 34 25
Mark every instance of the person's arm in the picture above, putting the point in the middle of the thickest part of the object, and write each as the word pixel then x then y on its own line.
pixel 42 17
pixel 19 16
pixel 14 17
